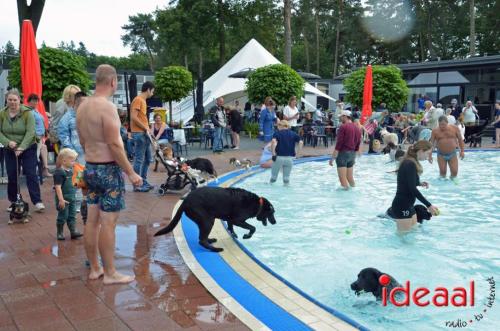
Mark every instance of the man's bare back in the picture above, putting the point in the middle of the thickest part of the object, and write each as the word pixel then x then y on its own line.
pixel 447 139
pixel 94 114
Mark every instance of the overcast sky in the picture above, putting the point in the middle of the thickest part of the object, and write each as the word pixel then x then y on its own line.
pixel 97 23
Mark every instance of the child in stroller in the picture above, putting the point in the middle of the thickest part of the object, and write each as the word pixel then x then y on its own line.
pixel 179 174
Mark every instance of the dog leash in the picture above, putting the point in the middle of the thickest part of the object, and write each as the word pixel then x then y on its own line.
pixel 17 177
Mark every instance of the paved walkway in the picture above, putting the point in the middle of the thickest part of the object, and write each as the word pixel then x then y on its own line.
pixel 44 286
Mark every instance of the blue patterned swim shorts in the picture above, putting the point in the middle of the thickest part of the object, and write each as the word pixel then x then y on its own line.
pixel 106 186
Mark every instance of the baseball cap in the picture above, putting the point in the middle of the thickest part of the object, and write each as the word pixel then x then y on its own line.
pixel 345 113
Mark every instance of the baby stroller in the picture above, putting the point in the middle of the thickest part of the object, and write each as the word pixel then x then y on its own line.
pixel 179 175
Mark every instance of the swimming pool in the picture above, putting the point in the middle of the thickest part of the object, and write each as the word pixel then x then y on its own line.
pixel 324 237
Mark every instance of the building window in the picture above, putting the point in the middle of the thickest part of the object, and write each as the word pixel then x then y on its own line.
pixel 470 75
pixel 427 92
pixel 479 94
pixel 424 78
pixel 446 93
pixel 451 77
pixel 490 75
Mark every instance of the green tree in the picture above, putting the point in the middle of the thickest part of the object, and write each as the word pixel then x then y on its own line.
pixel 7 53
pixel 141 35
pixel 172 84
pixel 488 27
pixel 278 81
pixel 59 69
pixel 9 49
pixel 388 86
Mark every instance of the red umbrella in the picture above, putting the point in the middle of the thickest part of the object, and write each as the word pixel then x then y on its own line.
pixel 31 75
pixel 367 95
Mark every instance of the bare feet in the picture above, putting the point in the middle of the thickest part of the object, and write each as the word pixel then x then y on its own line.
pixel 117 278
pixel 96 274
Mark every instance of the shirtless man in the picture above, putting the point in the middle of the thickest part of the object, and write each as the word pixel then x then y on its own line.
pixel 447 138
pixel 98 127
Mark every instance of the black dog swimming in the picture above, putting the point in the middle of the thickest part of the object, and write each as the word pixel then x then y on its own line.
pixel 422 213
pixel 19 210
pixel 204 165
pixel 368 281
pixel 233 205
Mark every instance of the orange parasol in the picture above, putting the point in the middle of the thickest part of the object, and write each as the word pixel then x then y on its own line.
pixel 367 95
pixel 31 75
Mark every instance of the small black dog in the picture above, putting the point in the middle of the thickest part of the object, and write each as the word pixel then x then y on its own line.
pixel 233 205
pixel 204 165
pixel 422 213
pixel 20 210
pixel 368 281
pixel 475 140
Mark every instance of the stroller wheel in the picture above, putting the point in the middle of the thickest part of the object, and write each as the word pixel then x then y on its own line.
pixel 161 191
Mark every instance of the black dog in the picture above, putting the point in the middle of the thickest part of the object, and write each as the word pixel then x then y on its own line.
pixel 233 205
pixel 368 281
pixel 204 165
pixel 476 140
pixel 19 211
pixel 422 213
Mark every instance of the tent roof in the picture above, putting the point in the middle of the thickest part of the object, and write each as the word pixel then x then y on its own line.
pixel 252 55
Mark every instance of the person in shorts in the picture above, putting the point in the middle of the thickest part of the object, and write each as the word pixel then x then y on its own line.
pixel 98 127
pixel 346 149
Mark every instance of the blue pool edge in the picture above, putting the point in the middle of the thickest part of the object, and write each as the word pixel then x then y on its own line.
pixel 256 170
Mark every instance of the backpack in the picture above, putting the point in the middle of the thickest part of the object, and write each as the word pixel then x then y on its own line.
pixel 53 135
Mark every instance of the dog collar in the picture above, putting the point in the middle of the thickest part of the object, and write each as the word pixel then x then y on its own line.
pixel 261 204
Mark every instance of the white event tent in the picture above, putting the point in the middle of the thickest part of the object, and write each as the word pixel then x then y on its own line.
pixel 252 55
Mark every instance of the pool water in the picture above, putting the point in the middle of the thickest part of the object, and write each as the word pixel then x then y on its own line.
pixel 325 236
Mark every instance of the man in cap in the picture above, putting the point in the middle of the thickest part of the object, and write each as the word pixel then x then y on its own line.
pixel 346 148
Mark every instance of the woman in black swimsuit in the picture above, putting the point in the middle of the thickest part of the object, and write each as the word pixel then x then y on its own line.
pixel 403 209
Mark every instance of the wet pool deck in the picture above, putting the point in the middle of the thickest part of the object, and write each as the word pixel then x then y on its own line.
pixel 44 286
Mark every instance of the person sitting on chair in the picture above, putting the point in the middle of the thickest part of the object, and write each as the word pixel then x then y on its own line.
pixel 161 131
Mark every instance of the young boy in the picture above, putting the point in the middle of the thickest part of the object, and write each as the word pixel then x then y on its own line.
pixel 65 193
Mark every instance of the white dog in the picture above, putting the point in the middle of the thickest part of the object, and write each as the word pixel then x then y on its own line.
pixel 388 137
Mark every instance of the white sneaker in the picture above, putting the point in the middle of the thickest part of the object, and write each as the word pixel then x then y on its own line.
pixel 9 209
pixel 10 222
pixel 39 207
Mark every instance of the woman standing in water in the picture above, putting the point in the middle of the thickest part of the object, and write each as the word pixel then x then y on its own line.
pixel 403 209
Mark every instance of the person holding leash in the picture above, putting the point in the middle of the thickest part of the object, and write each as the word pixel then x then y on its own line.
pixel 17 134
